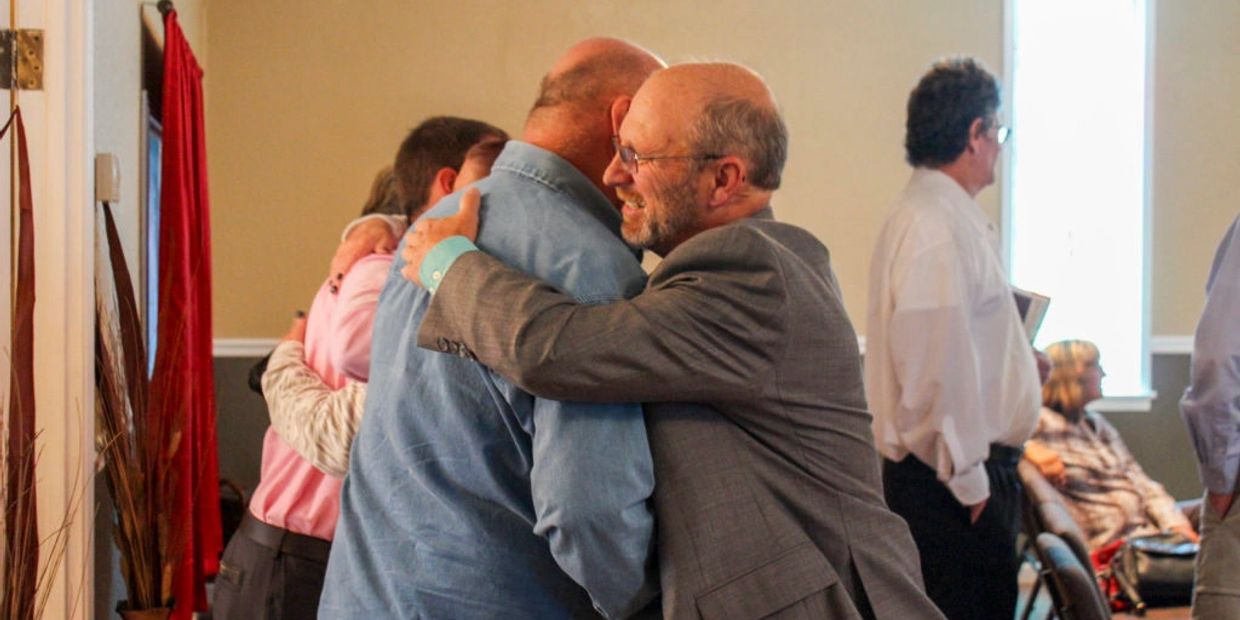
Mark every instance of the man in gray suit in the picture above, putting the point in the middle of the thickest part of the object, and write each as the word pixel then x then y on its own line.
pixel 768 497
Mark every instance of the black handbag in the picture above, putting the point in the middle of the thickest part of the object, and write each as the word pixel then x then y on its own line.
pixel 1155 570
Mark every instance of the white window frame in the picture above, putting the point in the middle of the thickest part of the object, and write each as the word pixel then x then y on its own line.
pixel 1140 401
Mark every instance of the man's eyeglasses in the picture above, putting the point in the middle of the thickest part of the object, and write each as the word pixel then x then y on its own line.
pixel 630 158
pixel 1002 134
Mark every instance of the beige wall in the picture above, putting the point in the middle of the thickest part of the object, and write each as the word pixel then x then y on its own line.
pixel 1196 151
pixel 307 99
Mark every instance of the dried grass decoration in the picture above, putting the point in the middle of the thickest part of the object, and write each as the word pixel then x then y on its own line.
pixel 24 581
pixel 137 446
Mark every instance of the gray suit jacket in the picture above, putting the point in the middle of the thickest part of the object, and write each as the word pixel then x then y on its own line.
pixel 768 496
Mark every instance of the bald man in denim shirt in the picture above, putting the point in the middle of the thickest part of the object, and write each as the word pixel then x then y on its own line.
pixel 467 497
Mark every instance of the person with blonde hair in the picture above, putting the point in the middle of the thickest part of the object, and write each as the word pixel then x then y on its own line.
pixel 1104 487
pixel 384 197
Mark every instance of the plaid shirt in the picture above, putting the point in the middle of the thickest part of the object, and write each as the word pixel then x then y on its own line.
pixel 1108 493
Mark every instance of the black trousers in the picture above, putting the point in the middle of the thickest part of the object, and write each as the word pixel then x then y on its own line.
pixel 970 569
pixel 269 573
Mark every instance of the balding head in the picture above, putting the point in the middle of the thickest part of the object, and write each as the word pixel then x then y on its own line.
pixel 728 110
pixel 582 99
pixel 702 146
pixel 594 72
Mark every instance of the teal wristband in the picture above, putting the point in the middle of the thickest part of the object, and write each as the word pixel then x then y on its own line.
pixel 437 262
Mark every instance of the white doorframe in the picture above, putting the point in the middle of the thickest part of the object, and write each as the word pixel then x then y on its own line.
pixel 61 137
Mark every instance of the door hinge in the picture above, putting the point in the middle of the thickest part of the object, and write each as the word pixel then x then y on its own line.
pixel 21 54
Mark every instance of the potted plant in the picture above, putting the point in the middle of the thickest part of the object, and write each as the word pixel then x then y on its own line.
pixel 136 447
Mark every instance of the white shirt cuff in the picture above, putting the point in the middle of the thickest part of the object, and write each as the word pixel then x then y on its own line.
pixel 970 486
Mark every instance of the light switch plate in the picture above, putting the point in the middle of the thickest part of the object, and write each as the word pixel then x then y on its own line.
pixel 107 178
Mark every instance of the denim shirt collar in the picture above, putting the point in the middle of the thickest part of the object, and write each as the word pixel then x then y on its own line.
pixel 543 166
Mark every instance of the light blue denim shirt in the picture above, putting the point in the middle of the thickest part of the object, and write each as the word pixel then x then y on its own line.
pixel 1211 404
pixel 469 498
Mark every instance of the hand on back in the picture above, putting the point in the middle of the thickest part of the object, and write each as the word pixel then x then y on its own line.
pixel 428 232
pixel 372 236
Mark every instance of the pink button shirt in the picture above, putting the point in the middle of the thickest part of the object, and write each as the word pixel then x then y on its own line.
pixel 291 493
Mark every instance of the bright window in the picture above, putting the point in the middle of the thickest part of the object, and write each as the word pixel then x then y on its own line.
pixel 1077 220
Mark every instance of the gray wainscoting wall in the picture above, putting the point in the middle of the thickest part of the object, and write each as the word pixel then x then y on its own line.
pixel 1157 437
pixel 241 421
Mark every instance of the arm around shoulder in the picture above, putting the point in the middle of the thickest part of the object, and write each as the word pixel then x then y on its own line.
pixel 315 421
pixel 709 327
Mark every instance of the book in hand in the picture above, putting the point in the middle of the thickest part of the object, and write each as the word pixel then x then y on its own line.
pixel 1032 309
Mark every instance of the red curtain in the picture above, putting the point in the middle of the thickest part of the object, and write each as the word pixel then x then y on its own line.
pixel 183 386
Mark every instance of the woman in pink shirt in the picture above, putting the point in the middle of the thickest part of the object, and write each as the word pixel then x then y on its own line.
pixel 274 566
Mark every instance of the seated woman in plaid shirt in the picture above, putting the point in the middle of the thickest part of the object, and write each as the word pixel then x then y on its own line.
pixel 1104 487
